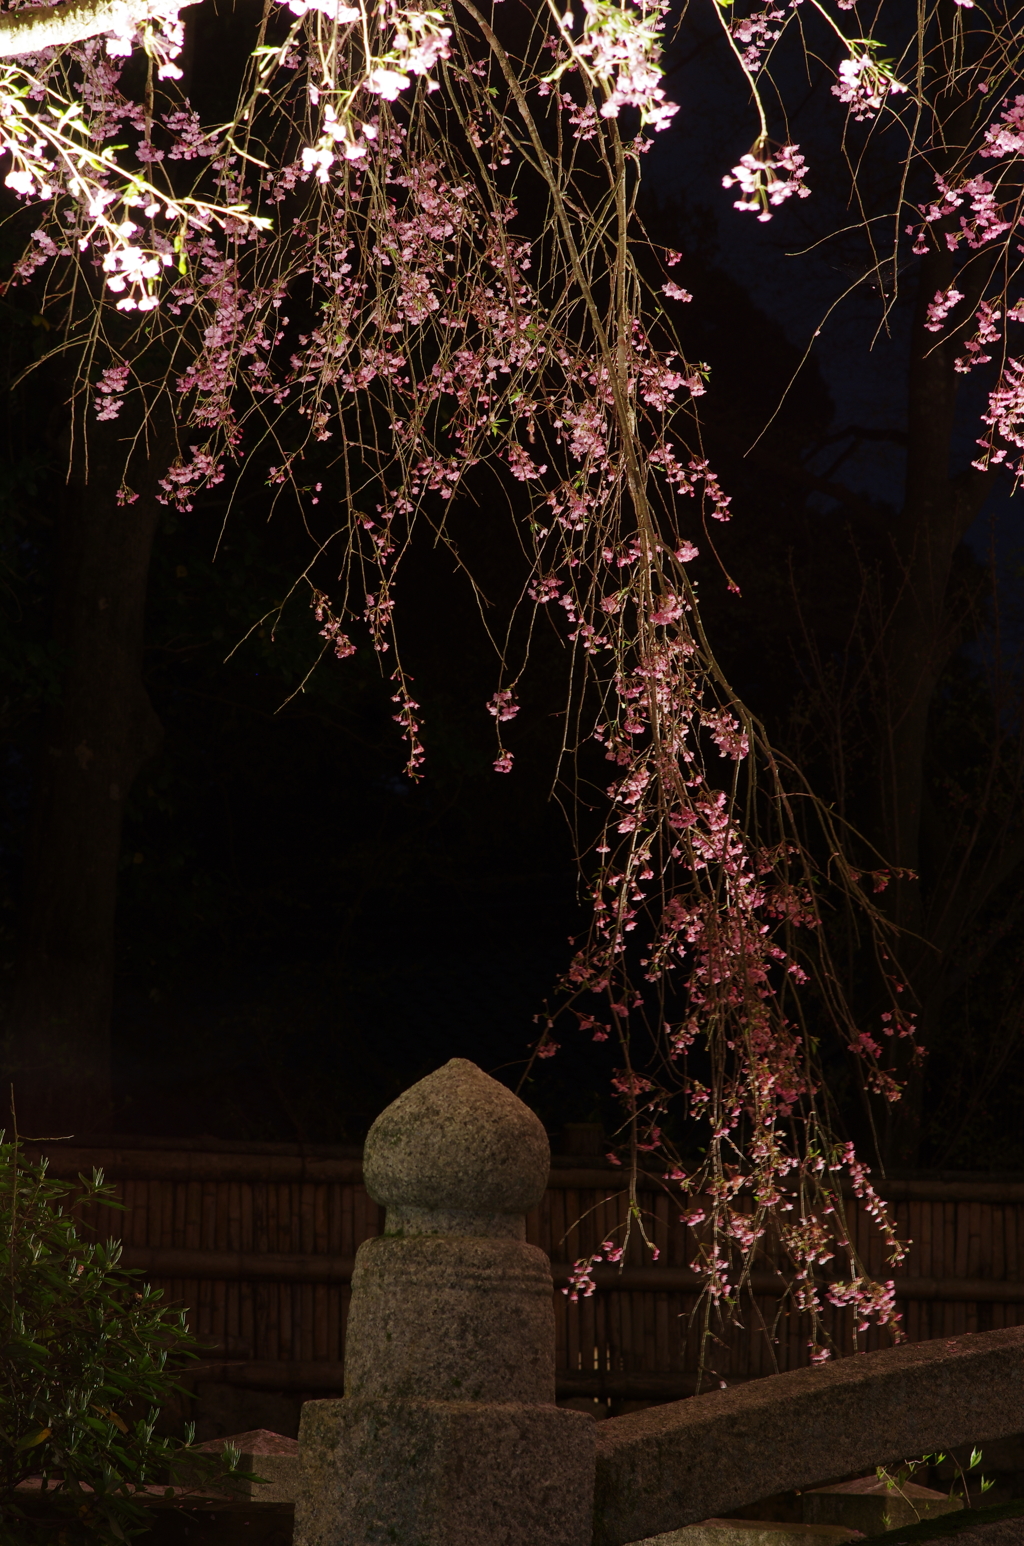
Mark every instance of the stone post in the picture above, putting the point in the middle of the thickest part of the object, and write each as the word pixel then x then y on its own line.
pixel 448 1434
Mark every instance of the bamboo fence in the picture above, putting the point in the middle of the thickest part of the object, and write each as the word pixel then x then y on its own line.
pixel 258 1243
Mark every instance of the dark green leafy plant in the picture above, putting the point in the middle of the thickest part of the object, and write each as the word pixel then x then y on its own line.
pixel 88 1355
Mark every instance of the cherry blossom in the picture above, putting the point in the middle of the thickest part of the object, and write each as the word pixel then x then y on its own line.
pixel 371 292
pixel 940 307
pixel 864 83
pixel 761 186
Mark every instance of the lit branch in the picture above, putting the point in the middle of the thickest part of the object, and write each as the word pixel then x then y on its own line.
pixel 42 26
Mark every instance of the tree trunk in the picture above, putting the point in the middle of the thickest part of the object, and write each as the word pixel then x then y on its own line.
pixel 938 509
pixel 92 747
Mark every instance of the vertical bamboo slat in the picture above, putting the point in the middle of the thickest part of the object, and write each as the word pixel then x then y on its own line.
pixel 1013 1263
pixel 974 1242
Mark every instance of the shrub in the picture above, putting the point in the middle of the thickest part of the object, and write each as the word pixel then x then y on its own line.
pixel 88 1355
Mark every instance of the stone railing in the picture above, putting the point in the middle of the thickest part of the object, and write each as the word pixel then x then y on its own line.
pixel 690 1460
pixel 448 1434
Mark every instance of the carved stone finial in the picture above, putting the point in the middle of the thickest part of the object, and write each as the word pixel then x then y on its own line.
pixel 448 1434
pixel 450 1303
pixel 457 1153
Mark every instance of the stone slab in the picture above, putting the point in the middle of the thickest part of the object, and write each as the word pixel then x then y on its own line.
pixel 873 1507
pixel 751 1532
pixel 686 1461
pixel 1005 1531
pixel 1001 1532
pixel 444 1473
pixel 266 1454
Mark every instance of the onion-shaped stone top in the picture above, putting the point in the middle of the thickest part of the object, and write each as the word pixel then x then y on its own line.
pixel 458 1142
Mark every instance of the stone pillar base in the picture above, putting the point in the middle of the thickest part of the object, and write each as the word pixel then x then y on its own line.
pixel 443 1473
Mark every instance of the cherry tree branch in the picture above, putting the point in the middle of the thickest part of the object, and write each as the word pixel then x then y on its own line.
pixel 36 27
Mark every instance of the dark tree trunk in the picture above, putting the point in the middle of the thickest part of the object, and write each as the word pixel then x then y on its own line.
pixel 922 635
pixel 92 747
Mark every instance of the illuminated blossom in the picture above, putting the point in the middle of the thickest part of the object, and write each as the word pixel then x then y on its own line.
pixel 765 181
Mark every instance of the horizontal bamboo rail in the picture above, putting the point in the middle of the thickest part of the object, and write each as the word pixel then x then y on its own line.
pixel 162 1165
pixel 288 1267
pixel 196 1165
pixel 324 1376
pixel 127 1164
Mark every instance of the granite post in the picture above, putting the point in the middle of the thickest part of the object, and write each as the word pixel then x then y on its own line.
pixel 448 1433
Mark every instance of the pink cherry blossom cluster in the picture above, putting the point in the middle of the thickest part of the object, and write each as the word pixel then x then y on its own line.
pixel 756 33
pixel 940 307
pixel 992 217
pixel 110 388
pixel 724 930
pixel 1006 138
pixel 581 1279
pixel 408 718
pixel 986 317
pixel 985 224
pixel 332 629
pixel 503 705
pixel 620 51
pixel 1005 418
pixel 766 181
pixel 864 83
pixel 59 161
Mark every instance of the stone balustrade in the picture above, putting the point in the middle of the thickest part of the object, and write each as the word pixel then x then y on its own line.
pixel 675 1464
pixel 448 1435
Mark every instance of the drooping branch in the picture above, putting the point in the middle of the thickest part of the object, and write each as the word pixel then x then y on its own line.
pixel 36 27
